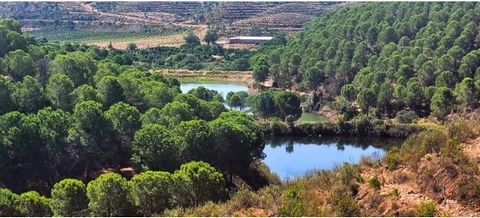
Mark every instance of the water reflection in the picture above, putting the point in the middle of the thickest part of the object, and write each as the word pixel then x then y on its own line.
pixel 294 156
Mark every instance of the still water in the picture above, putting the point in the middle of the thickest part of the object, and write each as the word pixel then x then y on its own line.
pixel 290 157
pixel 222 88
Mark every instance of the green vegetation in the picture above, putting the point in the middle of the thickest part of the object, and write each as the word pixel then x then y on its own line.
pixel 426 209
pixel 311 118
pixel 342 191
pixel 73 117
pixel 374 183
pixel 384 58
pixel 193 56
pixel 147 193
pixel 276 104
pixel 72 111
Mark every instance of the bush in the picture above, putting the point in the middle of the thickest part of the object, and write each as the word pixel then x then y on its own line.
pixel 417 146
pixel 292 205
pixel 468 189
pixel 426 209
pixel 462 129
pixel 395 193
pixel 342 203
pixel 374 183
pixel 392 158
pixel 290 120
pixel 406 117
pixel 277 127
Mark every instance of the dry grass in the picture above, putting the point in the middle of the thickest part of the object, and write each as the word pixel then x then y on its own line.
pixel 175 40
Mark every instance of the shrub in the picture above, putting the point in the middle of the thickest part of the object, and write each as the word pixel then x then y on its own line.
pixel 426 209
pixel 290 120
pixel 417 146
pixel 395 193
pixel 277 127
pixel 468 188
pixel 462 129
pixel 392 158
pixel 342 203
pixel 292 205
pixel 374 182
pixel 406 117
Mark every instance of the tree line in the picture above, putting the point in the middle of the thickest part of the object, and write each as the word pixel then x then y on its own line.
pixel 195 56
pixel 265 104
pixel 384 58
pixel 145 194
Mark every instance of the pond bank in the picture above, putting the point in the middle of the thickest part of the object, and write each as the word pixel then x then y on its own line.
pixel 349 128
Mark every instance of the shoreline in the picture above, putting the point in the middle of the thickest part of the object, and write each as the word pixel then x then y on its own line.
pixel 349 128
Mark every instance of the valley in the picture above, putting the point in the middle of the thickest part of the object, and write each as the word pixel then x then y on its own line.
pixel 160 109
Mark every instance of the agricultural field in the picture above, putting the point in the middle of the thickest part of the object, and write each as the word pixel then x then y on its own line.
pixel 99 23
pixel 118 40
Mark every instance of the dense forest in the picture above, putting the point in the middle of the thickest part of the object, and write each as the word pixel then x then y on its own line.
pixel 75 111
pixel 86 131
pixel 407 59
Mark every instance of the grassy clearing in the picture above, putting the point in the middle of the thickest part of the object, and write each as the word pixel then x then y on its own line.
pixel 311 118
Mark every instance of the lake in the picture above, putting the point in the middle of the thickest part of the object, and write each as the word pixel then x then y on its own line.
pixel 223 88
pixel 290 157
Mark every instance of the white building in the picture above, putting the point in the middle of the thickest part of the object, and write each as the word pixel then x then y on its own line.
pixel 249 39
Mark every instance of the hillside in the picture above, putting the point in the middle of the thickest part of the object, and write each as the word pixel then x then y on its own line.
pixel 384 58
pixel 158 16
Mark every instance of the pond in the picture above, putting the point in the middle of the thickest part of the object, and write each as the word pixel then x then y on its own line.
pixel 290 157
pixel 223 88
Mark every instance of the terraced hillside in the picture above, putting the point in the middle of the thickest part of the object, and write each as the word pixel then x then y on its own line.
pixel 150 24
pixel 93 16
pixel 148 16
